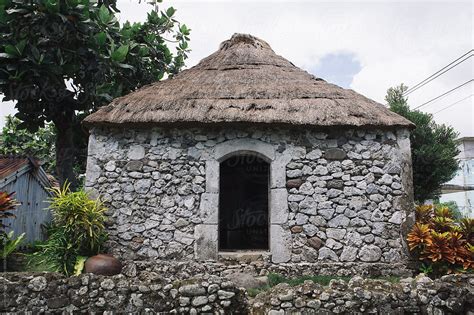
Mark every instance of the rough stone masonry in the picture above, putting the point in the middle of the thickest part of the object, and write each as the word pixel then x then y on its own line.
pixel 154 293
pixel 341 195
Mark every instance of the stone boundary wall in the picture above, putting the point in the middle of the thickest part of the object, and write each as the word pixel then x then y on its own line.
pixel 452 294
pixel 54 293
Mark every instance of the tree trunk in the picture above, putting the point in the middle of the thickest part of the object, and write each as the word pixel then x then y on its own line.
pixel 65 150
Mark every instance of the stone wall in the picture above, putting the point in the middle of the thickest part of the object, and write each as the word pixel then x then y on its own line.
pixel 335 196
pixel 52 292
pixel 154 293
pixel 452 294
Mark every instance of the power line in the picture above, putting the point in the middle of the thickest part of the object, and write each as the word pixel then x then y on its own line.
pixel 445 93
pixel 453 104
pixel 440 72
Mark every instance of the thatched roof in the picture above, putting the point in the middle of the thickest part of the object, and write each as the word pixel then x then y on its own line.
pixel 245 81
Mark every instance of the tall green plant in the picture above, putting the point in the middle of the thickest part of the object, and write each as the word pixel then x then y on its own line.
pixel 77 229
pixel 40 144
pixel 9 243
pixel 60 60
pixel 433 146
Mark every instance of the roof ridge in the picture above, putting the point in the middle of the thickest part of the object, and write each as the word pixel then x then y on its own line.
pixel 239 38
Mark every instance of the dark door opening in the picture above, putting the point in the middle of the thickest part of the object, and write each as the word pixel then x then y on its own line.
pixel 243 203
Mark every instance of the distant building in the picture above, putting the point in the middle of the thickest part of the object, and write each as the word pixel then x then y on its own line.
pixel 461 188
pixel 28 180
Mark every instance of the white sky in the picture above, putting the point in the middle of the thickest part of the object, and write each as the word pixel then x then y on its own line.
pixel 366 46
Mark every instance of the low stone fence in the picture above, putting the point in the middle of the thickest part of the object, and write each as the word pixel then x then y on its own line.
pixel 170 292
pixel 52 292
pixel 452 294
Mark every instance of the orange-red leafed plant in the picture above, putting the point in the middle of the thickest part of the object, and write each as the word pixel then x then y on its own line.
pixel 438 248
pixel 7 204
pixel 424 213
pixel 419 237
pixel 440 241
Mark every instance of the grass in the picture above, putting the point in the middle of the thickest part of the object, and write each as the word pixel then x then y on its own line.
pixel 274 279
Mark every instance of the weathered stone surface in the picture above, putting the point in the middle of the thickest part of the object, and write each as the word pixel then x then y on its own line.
pixel 370 253
pixel 136 152
pixel 327 254
pixel 38 284
pixel 339 221
pixel 334 154
pixel 192 290
pixel 297 229
pixel 335 183
pixel 134 166
pixel 314 154
pixel 408 296
pixel 294 183
pixel 397 217
pixel 349 253
pixel 162 188
pixel 337 234
pixel 315 242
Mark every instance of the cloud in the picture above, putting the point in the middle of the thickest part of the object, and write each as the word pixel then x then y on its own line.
pixel 6 108
pixel 337 68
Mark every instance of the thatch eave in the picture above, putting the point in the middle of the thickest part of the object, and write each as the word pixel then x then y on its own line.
pixel 246 82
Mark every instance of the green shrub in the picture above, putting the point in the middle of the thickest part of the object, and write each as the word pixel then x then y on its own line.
pixel 9 243
pixel 77 230
pixel 452 206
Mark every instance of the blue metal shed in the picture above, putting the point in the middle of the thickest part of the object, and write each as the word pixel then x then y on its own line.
pixel 28 180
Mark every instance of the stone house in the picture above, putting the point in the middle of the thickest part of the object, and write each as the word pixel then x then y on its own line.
pixel 247 153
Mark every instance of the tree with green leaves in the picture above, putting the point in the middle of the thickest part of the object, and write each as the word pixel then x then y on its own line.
pixel 62 59
pixel 21 142
pixel 433 147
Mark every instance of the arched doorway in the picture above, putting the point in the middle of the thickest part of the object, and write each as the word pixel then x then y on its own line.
pixel 243 203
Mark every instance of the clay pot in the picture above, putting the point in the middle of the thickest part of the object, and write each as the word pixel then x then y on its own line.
pixel 103 264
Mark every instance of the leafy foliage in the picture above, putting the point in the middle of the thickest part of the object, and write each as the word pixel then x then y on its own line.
pixel 39 144
pixel 8 243
pixel 433 147
pixel 452 206
pixel 61 60
pixel 440 242
pixel 77 230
